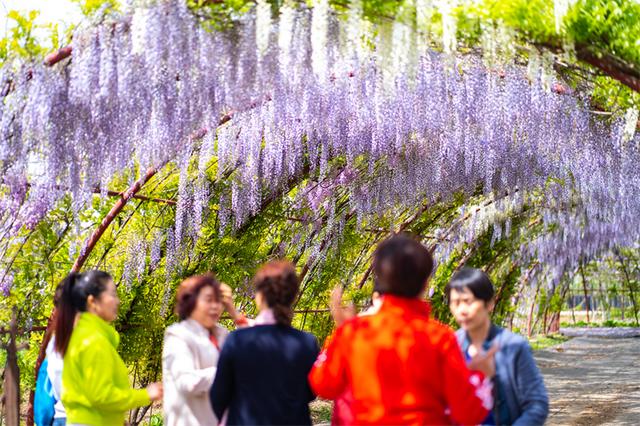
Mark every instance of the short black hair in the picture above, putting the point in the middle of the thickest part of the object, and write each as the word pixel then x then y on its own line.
pixel 402 266
pixel 476 280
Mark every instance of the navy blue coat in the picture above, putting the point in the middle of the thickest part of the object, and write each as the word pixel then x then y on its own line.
pixel 262 376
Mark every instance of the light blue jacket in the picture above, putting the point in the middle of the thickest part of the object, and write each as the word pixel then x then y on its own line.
pixel 522 396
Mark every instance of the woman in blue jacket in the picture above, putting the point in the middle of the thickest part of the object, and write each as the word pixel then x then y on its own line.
pixel 262 370
pixel 519 392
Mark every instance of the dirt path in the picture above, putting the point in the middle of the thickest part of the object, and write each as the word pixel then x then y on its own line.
pixel 593 381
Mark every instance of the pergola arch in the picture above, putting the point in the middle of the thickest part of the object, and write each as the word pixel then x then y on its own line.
pixel 329 148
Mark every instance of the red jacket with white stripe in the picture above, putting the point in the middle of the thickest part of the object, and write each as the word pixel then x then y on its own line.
pixel 402 367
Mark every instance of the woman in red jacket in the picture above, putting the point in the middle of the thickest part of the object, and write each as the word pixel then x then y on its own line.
pixel 400 365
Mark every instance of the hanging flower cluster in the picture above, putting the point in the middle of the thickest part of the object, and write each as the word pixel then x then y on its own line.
pixel 301 92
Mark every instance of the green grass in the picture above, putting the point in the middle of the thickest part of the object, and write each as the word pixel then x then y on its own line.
pixel 607 323
pixel 542 342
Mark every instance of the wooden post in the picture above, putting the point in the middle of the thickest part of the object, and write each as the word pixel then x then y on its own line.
pixel 12 376
pixel 632 295
pixel 534 303
pixel 584 287
pixel 554 324
pixel 573 311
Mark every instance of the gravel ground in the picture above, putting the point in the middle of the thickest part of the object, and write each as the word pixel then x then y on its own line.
pixel 612 332
pixel 593 380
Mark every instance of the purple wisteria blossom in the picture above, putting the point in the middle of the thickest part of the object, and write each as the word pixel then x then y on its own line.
pixel 298 96
pixel 6 283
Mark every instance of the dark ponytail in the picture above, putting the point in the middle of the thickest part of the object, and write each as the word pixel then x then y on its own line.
pixel 72 298
pixel 278 283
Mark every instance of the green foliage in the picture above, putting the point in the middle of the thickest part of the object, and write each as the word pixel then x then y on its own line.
pixel 20 41
pixel 374 9
pixel 608 27
pixel 439 303
pixel 614 323
pixel 533 19
pixel 220 15
pixel 43 256
pixel 156 420
pixel 91 7
pixel 611 26
pixel 606 323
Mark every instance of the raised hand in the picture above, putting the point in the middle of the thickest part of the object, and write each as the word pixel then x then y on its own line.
pixel 485 362
pixel 339 312
pixel 227 302
pixel 227 296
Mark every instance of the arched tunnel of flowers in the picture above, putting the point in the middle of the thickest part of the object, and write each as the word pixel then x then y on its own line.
pixel 170 138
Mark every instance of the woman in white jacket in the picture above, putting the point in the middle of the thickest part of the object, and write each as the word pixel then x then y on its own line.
pixel 191 350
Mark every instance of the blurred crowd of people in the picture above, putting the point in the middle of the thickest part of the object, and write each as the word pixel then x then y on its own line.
pixel 392 364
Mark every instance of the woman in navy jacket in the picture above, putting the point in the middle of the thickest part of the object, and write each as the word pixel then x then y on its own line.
pixel 262 371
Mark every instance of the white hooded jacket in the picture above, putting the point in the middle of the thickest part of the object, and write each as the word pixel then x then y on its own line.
pixel 189 361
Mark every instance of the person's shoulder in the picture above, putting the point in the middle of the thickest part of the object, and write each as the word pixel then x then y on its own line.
pixel 508 335
pixel 94 345
pixel 352 327
pixel 183 331
pixel 236 337
pixel 175 329
pixel 308 338
pixel 443 336
pixel 243 332
pixel 507 339
pixel 248 334
pixel 364 321
pixel 439 330
pixel 222 331
pixel 51 346
pixel 299 334
pixel 303 341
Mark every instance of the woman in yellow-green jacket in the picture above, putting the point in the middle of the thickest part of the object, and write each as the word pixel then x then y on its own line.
pixel 95 382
